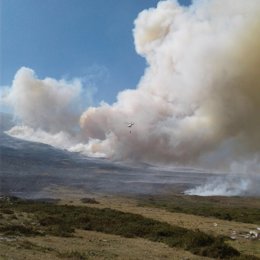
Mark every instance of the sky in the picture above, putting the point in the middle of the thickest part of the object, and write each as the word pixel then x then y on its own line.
pixel 88 39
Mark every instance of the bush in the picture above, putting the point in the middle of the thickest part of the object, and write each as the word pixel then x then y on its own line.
pixel 18 230
pixel 62 220
pixel 217 250
pixel 89 201
pixel 207 207
pixel 245 257
pixel 74 255
pixel 7 211
pixel 197 239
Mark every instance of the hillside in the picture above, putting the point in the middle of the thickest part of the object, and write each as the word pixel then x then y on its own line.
pixel 109 227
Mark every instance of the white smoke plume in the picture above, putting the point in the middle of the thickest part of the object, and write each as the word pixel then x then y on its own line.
pixel 232 184
pixel 47 104
pixel 197 104
pixel 223 186
pixel 200 90
pixel 241 180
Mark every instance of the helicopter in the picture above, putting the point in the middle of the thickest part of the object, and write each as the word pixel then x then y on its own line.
pixel 130 124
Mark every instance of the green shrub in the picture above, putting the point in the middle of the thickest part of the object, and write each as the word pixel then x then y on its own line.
pixel 207 207
pixel 18 230
pixel 245 257
pixel 62 220
pixel 89 201
pixel 217 250
pixel 197 239
pixel 76 255
pixel 7 211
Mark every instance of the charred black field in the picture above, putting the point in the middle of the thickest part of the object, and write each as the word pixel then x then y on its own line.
pixel 31 170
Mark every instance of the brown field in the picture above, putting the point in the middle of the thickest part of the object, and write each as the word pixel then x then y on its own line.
pixel 87 244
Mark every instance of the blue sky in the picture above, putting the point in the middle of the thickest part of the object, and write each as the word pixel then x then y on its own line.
pixel 73 38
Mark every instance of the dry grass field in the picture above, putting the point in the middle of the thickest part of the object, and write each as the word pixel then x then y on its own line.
pixel 40 230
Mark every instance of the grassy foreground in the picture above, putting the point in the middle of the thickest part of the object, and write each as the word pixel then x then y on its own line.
pixel 245 210
pixel 44 218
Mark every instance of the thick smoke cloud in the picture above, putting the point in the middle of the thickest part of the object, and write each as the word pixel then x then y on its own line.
pixel 226 186
pixel 47 104
pixel 201 88
pixel 197 104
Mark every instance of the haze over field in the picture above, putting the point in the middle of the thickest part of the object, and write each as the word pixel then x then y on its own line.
pixel 196 105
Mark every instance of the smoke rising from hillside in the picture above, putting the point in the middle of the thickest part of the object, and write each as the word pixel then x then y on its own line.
pixel 200 90
pixel 47 104
pixel 197 104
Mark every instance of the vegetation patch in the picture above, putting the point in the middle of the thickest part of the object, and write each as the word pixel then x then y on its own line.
pixel 218 207
pixel 246 257
pixel 7 211
pixel 62 220
pixel 76 255
pixel 89 201
pixel 18 230
pixel 32 246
